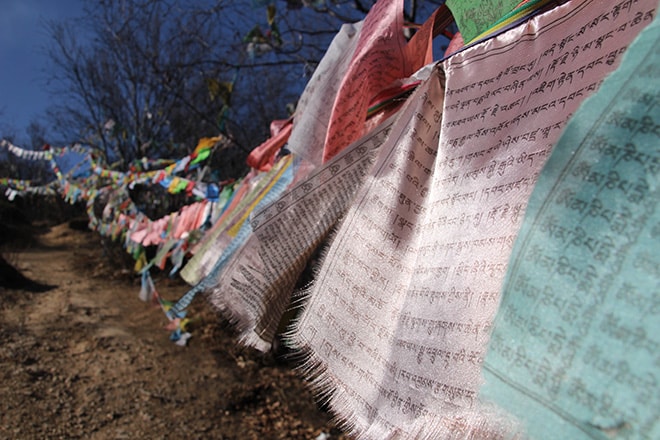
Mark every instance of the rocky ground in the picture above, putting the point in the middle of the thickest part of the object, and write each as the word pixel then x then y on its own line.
pixel 82 357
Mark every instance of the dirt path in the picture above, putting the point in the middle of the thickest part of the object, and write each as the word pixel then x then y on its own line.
pixel 89 360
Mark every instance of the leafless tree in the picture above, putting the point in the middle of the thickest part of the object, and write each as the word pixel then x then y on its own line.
pixel 150 77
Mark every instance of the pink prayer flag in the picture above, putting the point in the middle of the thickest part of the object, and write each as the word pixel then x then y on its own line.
pixel 382 56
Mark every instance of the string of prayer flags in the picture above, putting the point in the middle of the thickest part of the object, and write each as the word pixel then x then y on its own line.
pixel 177 324
pixel 48 153
pixel 434 223
pixel 211 247
pixel 166 177
pixel 71 192
pixel 575 348
pixel 444 223
pixel 255 287
pixel 204 252
pixel 117 203
pixel 235 236
pixel 16 184
pixel 146 164
pixel 12 192
pixel 238 304
pixel 172 226
pixel 26 154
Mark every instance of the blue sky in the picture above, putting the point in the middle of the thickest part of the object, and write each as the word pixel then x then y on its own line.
pixel 22 57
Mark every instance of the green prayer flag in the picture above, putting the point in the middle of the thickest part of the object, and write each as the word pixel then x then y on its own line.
pixel 202 155
pixel 475 16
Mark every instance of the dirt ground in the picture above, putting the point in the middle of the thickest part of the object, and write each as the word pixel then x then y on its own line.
pixel 87 359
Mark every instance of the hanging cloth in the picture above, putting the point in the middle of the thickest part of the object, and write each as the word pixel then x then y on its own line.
pixel 396 325
pixel 381 56
pixel 575 349
pixel 262 158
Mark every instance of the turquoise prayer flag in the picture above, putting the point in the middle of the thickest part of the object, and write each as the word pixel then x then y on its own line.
pixel 575 350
